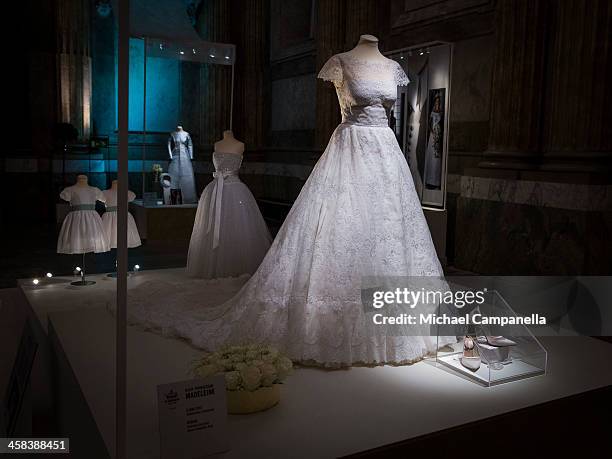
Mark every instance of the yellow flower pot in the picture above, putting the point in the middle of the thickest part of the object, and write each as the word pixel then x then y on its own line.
pixel 245 402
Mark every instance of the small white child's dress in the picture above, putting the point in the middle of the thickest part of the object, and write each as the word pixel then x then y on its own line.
pixel 109 220
pixel 82 230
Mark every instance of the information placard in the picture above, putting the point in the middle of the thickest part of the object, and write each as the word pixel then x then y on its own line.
pixel 192 418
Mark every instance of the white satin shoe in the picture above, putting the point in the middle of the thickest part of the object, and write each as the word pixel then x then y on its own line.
pixel 497 341
pixel 470 358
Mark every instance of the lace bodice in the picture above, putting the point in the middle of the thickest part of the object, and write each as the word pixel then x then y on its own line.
pixel 226 163
pixel 366 90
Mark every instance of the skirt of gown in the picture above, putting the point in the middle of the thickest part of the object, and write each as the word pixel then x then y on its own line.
pixel 357 215
pixel 181 171
pixel 82 232
pixel 109 221
pixel 243 237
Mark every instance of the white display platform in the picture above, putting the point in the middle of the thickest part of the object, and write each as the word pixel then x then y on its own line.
pixel 321 413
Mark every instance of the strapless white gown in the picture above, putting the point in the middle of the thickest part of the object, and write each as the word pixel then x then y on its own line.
pixel 357 215
pixel 229 237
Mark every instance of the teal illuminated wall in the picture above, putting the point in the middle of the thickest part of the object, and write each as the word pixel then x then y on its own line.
pixel 162 91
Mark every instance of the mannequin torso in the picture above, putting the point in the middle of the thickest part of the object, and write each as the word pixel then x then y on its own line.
pixel 81 193
pixel 81 181
pixel 180 141
pixel 111 195
pixel 180 150
pixel 229 144
pixel 367 49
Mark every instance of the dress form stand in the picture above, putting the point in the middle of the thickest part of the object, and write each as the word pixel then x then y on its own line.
pixel 81 186
pixel 82 182
pixel 367 49
pixel 229 144
pixel 180 151
pixel 83 282
pixel 109 221
pixel 114 273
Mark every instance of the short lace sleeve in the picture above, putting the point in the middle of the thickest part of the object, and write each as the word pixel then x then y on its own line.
pixel 66 194
pixel 400 76
pixel 332 70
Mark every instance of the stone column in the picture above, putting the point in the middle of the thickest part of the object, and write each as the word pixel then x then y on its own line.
pixel 251 70
pixel 330 40
pixel 577 132
pixel 74 65
pixel 214 81
pixel 361 18
pixel 518 85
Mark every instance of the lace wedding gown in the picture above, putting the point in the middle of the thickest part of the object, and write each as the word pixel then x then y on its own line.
pixel 357 215
pixel 229 237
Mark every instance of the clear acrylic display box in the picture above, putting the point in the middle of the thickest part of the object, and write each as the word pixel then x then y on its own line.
pixel 525 359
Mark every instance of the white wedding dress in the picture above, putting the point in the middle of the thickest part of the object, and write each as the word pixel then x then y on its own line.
pixel 358 215
pixel 229 237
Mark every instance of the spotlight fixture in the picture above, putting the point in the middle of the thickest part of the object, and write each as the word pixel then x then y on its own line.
pixel 402 56
pixel 427 51
pixel 35 281
pixel 181 52
pixel 49 275
pixel 136 268
pixel 78 269
pixel 421 52
pixel 161 46
pixel 227 57
pixel 212 55
pixel 193 50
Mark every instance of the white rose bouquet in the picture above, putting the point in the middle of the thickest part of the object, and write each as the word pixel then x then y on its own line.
pixel 246 368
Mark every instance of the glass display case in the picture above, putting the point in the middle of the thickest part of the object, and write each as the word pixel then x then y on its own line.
pixel 500 346
pixel 176 84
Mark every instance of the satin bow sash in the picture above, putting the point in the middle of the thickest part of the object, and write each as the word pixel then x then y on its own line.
pixel 214 216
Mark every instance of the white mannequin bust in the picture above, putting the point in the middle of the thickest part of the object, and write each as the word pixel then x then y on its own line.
pixel 367 48
pixel 81 180
pixel 229 144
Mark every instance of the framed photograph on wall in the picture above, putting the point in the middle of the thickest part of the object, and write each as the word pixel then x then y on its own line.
pixel 420 119
pixel 434 150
